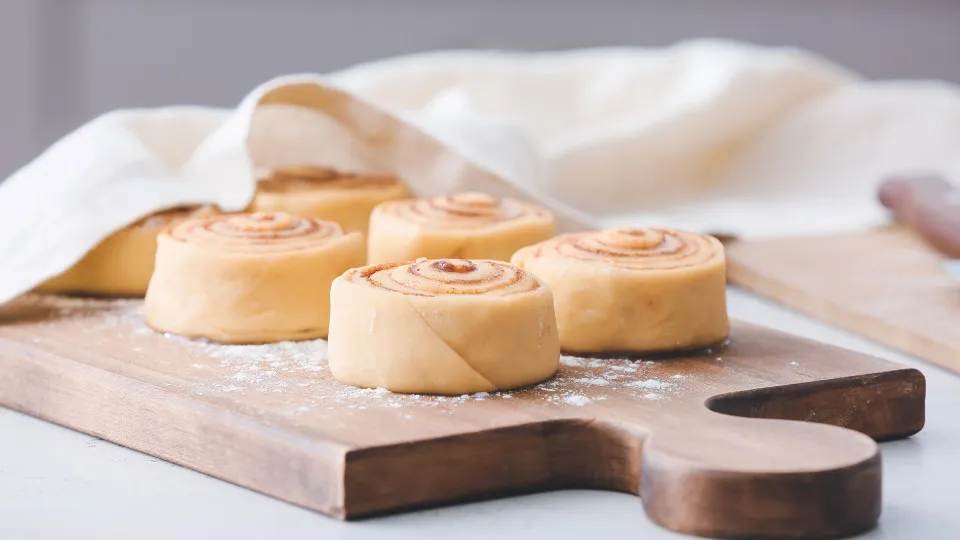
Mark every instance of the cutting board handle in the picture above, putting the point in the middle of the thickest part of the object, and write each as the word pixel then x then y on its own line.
pixel 729 477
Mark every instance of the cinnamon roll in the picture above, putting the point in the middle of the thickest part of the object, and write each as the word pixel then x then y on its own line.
pixel 464 225
pixel 122 263
pixel 447 326
pixel 633 290
pixel 324 193
pixel 249 278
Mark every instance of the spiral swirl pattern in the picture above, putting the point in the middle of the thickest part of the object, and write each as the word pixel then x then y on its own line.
pixel 171 216
pixel 440 277
pixel 309 177
pixel 635 249
pixel 467 210
pixel 260 232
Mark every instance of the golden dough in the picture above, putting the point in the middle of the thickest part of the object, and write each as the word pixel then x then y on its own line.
pixel 633 290
pixel 326 194
pixel 249 278
pixel 122 263
pixel 464 225
pixel 442 327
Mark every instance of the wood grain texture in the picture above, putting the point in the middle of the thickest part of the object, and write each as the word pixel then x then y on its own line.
pixel 712 441
pixel 887 285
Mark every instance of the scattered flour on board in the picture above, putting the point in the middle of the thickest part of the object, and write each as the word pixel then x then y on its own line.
pixel 279 366
pixel 595 381
pixel 108 313
pixel 577 400
pixel 296 374
pixel 650 384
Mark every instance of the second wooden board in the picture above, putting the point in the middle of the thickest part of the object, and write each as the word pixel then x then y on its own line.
pixel 740 442
pixel 886 285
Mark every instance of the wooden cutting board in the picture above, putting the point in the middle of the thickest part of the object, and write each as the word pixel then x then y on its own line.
pixel 703 438
pixel 886 285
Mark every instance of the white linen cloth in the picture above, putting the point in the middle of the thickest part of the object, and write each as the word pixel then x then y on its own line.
pixel 710 136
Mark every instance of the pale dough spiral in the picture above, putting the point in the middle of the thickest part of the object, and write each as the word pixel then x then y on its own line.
pixel 625 291
pixel 448 326
pixel 466 225
pixel 122 263
pixel 249 278
pixel 468 210
pixel 327 194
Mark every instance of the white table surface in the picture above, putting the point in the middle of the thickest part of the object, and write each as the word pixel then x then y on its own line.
pixel 56 483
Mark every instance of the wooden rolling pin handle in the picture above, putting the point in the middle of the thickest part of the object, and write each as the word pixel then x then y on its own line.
pixel 929 205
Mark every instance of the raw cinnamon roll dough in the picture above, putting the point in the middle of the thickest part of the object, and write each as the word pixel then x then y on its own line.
pixel 633 290
pixel 249 278
pixel 322 193
pixel 465 225
pixel 444 326
pixel 122 263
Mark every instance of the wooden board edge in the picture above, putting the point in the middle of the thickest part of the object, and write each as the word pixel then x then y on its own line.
pixel 532 457
pixel 127 412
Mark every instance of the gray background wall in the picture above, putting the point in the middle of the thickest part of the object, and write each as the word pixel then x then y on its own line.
pixel 64 61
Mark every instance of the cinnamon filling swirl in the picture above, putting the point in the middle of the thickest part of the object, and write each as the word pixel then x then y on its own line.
pixel 299 178
pixel 257 232
pixel 636 249
pixel 446 277
pixel 461 210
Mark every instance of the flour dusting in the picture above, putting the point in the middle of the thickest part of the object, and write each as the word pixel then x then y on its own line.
pixel 293 378
pixel 279 367
pixel 595 381
pixel 577 400
pixel 264 368
pixel 107 312
pixel 650 384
